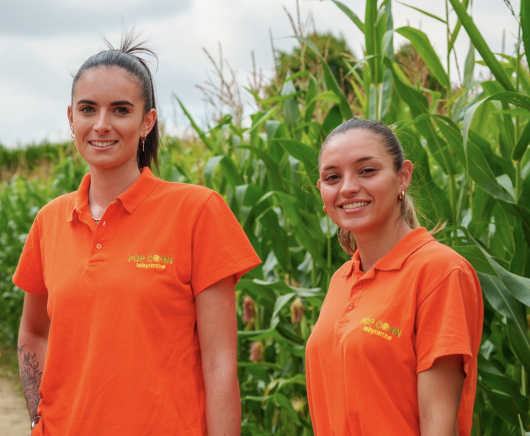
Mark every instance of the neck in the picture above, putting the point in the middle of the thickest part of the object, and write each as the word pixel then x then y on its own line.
pixel 106 184
pixel 373 246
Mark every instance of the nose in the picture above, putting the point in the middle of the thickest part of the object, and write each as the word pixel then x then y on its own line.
pixel 102 125
pixel 349 186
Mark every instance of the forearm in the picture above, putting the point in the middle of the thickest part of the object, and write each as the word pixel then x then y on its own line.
pixel 31 357
pixel 223 403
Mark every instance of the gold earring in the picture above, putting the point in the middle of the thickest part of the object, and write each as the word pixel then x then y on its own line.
pixel 324 210
pixel 401 196
pixel 143 142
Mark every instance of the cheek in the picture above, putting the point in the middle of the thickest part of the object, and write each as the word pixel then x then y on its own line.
pixel 82 126
pixel 384 190
pixel 327 193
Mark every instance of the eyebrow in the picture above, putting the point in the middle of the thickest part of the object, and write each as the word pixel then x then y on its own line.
pixel 361 159
pixel 114 103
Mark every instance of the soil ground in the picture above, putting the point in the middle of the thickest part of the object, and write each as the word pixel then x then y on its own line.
pixel 14 419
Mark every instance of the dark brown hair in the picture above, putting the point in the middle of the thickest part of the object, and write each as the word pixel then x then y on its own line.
pixel 126 57
pixel 393 147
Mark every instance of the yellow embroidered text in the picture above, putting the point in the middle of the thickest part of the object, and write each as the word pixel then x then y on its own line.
pixel 380 328
pixel 152 261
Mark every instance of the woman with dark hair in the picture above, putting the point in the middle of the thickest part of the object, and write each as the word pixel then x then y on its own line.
pixel 129 323
pixel 394 351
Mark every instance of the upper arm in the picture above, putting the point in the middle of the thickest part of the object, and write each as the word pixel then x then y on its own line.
pixel 439 392
pixel 35 318
pixel 217 324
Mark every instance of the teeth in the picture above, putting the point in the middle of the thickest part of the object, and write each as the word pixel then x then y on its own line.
pixel 356 205
pixel 102 144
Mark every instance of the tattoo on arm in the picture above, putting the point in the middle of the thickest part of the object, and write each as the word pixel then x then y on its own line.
pixel 30 377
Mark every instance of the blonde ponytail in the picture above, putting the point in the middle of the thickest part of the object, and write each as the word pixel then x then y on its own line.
pixel 408 212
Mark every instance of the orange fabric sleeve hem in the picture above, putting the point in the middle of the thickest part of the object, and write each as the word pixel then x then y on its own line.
pixel 27 287
pixel 427 363
pixel 237 270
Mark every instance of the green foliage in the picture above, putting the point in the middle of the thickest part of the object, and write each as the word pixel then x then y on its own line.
pixel 30 157
pixel 470 148
pixel 335 52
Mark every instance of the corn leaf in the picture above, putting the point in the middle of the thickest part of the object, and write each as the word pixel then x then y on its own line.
pixel 423 46
pixel 482 47
pixel 330 79
pixel 525 27
pixel 423 12
pixel 351 15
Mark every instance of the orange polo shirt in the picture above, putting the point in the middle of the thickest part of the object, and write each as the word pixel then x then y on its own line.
pixel 123 353
pixel 377 330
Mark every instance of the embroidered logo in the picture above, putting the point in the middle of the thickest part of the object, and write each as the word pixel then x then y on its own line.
pixel 380 328
pixel 151 261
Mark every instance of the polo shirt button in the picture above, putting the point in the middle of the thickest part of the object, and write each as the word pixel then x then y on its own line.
pixel 99 246
pixel 358 286
pixel 350 307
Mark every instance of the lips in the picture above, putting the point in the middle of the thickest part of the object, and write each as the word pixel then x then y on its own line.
pixel 102 144
pixel 355 205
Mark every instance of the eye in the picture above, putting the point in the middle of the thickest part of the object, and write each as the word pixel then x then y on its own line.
pixel 331 178
pixel 87 109
pixel 367 171
pixel 121 110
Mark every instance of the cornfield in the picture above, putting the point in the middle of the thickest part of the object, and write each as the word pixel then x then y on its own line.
pixel 469 145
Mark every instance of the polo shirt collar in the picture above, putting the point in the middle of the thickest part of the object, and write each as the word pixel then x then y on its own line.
pixel 395 258
pixel 130 199
pixel 139 190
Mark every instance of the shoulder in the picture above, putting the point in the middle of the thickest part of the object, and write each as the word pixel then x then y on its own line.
pixel 60 206
pixel 177 198
pixel 341 273
pixel 438 259
pixel 185 191
pixel 437 265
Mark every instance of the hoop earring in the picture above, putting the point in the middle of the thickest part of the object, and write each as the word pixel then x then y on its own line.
pixel 324 210
pixel 401 196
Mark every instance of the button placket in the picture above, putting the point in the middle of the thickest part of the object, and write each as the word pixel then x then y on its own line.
pixel 101 237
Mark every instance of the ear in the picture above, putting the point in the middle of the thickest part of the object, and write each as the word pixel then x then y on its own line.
pixel 318 184
pixel 70 116
pixel 405 175
pixel 149 121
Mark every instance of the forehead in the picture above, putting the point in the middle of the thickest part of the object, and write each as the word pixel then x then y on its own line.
pixel 353 145
pixel 107 83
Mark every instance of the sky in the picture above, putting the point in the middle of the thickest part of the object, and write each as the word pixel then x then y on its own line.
pixel 43 43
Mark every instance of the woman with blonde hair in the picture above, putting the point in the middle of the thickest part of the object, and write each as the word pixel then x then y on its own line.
pixel 394 351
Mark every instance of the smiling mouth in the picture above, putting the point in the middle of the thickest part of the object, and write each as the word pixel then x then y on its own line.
pixel 102 144
pixel 355 205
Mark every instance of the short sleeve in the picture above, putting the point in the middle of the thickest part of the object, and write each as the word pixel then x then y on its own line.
pixel 220 247
pixel 29 275
pixel 447 320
